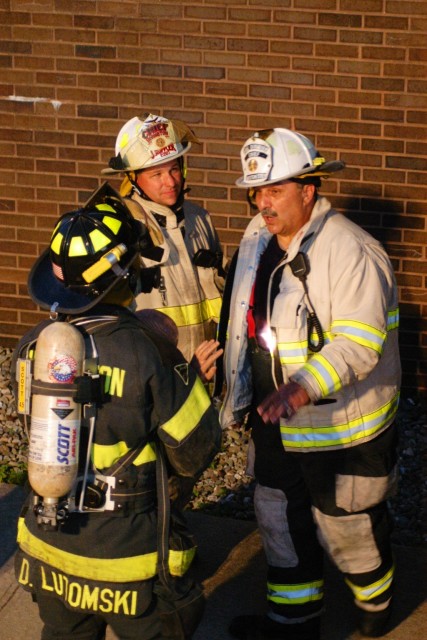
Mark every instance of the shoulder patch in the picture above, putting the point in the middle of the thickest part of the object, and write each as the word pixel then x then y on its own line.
pixel 182 371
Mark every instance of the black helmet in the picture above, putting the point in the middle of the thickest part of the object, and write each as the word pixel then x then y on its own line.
pixel 91 249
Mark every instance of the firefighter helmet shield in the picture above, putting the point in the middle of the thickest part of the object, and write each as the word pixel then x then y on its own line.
pixel 280 154
pixel 145 143
pixel 91 249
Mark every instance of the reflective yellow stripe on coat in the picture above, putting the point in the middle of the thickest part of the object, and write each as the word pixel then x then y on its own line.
pixel 105 455
pixel 190 413
pixel 344 434
pixel 132 569
pixel 192 314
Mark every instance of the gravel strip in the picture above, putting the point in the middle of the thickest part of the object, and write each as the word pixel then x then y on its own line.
pixel 225 490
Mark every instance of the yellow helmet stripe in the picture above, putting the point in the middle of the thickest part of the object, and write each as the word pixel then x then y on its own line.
pixel 98 239
pixel 77 247
pixel 56 243
pixel 112 223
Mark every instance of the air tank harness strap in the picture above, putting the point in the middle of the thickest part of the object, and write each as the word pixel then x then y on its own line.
pixel 85 389
pixel 49 389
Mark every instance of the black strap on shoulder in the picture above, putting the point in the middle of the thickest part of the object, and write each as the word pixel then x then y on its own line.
pixel 223 323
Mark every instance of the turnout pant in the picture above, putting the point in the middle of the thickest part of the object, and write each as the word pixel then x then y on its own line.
pixel 333 500
pixel 349 490
pixel 283 511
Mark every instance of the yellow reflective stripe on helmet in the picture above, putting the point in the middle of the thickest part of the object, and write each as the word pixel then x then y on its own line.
pixel 324 373
pixel 141 567
pixel 295 593
pixel 105 455
pixel 370 591
pixel 124 139
pixel 361 333
pixel 192 314
pixel 393 319
pixel 103 206
pixel 56 243
pixel 342 434
pixel 112 223
pixel 99 240
pixel 77 247
pixel 190 413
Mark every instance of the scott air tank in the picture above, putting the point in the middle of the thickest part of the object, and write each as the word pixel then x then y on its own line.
pixel 55 416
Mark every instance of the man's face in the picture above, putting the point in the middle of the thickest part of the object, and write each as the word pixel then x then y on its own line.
pixel 285 206
pixel 161 184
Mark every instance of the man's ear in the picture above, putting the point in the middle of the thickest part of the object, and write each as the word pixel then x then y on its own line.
pixel 308 193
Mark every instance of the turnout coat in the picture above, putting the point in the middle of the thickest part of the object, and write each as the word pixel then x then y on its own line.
pixel 354 380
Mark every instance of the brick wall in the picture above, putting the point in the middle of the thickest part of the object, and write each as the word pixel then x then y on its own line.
pixel 350 75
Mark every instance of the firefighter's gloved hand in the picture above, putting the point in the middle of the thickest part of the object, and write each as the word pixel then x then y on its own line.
pixel 283 403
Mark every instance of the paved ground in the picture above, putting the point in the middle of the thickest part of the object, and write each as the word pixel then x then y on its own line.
pixel 231 567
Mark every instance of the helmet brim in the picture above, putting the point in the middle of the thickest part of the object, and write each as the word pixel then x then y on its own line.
pixel 49 293
pixel 109 171
pixel 322 171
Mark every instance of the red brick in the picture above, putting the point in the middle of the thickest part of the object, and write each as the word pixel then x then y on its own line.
pixel 131 39
pixel 256 14
pixel 13 17
pixel 93 22
pixel 208 73
pixel 364 6
pixel 93 51
pixel 295 17
pixel 382 115
pixel 361 37
pixel 209 44
pixel 186 26
pixel 119 68
pixel 292 78
pixel 292 108
pixel 217 13
pixel 340 20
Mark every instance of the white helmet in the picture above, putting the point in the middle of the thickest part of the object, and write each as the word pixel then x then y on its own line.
pixel 279 154
pixel 144 143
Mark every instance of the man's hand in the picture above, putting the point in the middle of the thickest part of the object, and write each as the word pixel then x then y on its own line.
pixel 204 359
pixel 283 403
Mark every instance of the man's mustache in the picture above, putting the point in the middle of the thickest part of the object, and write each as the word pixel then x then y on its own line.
pixel 270 213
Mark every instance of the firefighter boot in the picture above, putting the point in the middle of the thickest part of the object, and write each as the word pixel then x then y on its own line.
pixel 373 624
pixel 264 628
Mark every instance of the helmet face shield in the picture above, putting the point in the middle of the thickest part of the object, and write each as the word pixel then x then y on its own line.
pixel 146 143
pixel 274 155
pixel 91 249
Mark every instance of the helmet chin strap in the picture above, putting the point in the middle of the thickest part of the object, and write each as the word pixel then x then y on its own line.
pixel 132 179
